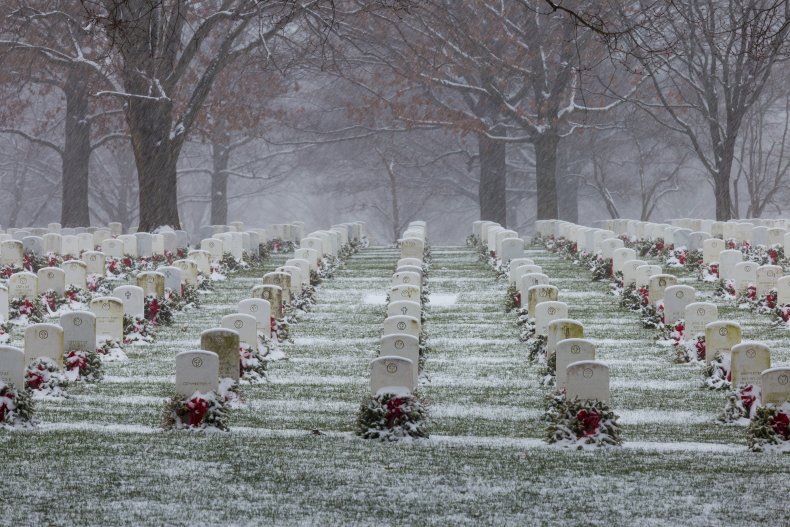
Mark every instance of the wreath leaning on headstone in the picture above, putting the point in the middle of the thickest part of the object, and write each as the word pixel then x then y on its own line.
pixel 580 424
pixel 199 411
pixel 16 407
pixel 769 430
pixel 392 417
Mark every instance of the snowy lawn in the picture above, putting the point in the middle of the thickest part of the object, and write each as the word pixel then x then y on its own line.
pixel 98 457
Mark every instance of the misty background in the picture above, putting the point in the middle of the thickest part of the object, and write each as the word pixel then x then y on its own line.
pixel 387 112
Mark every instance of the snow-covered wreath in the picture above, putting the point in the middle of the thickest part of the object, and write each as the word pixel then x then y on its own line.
pixel 580 424
pixel 16 407
pixel 769 430
pixel 199 411
pixel 44 378
pixel 392 417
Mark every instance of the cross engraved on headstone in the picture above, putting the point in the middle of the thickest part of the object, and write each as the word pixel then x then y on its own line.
pixel 399 344
pixel 197 362
pixel 238 324
pixel 77 321
pixel 723 332
pixel 392 367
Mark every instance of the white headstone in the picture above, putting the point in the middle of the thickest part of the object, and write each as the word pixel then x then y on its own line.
pixel 775 386
pixel 75 273
pixel 588 380
pixel 245 325
pixel 23 285
pixel 196 371
pixel 95 262
pixel 767 278
pixel 747 361
pixel 392 375
pixel 44 340
pixel 133 299
pixel 152 282
pixel 12 366
pixel 720 337
pixel 568 351
pixel 261 310
pixel 401 345
pixel 676 298
pixel 109 317
pixel 51 278
pixel 79 331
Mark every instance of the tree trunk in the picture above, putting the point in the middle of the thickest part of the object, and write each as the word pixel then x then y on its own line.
pixel 492 194
pixel 75 210
pixel 546 176
pixel 219 184
pixel 156 154
pixel 568 199
pixel 124 159
pixel 721 180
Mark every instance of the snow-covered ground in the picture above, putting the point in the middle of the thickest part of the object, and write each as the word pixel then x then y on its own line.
pixel 99 458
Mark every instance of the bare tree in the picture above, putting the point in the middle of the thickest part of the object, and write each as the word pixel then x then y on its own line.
pixel 708 63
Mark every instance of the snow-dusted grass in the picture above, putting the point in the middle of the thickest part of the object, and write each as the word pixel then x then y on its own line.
pixel 98 457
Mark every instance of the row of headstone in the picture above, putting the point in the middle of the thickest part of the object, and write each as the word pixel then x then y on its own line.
pixel 577 372
pixel 396 370
pixel 77 331
pixel 749 362
pixel 504 244
pixel 141 244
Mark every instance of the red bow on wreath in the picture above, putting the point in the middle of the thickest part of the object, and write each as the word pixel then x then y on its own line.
pixel 747 398
pixel 394 410
pixel 781 425
pixel 518 299
pixel 701 349
pixel 197 407
pixel 34 380
pixel 589 420
pixel 76 359
pixel 153 310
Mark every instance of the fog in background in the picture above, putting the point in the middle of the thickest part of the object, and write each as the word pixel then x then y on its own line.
pixel 388 111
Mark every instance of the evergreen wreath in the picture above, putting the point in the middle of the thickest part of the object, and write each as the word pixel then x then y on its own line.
pixel 741 403
pixel 716 374
pixel 252 364
pixel 16 407
pixel 579 424
pixel 83 365
pixel 199 411
pixel 769 430
pixel 44 376
pixel 23 311
pixel 137 329
pixel 512 299
pixel 391 417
